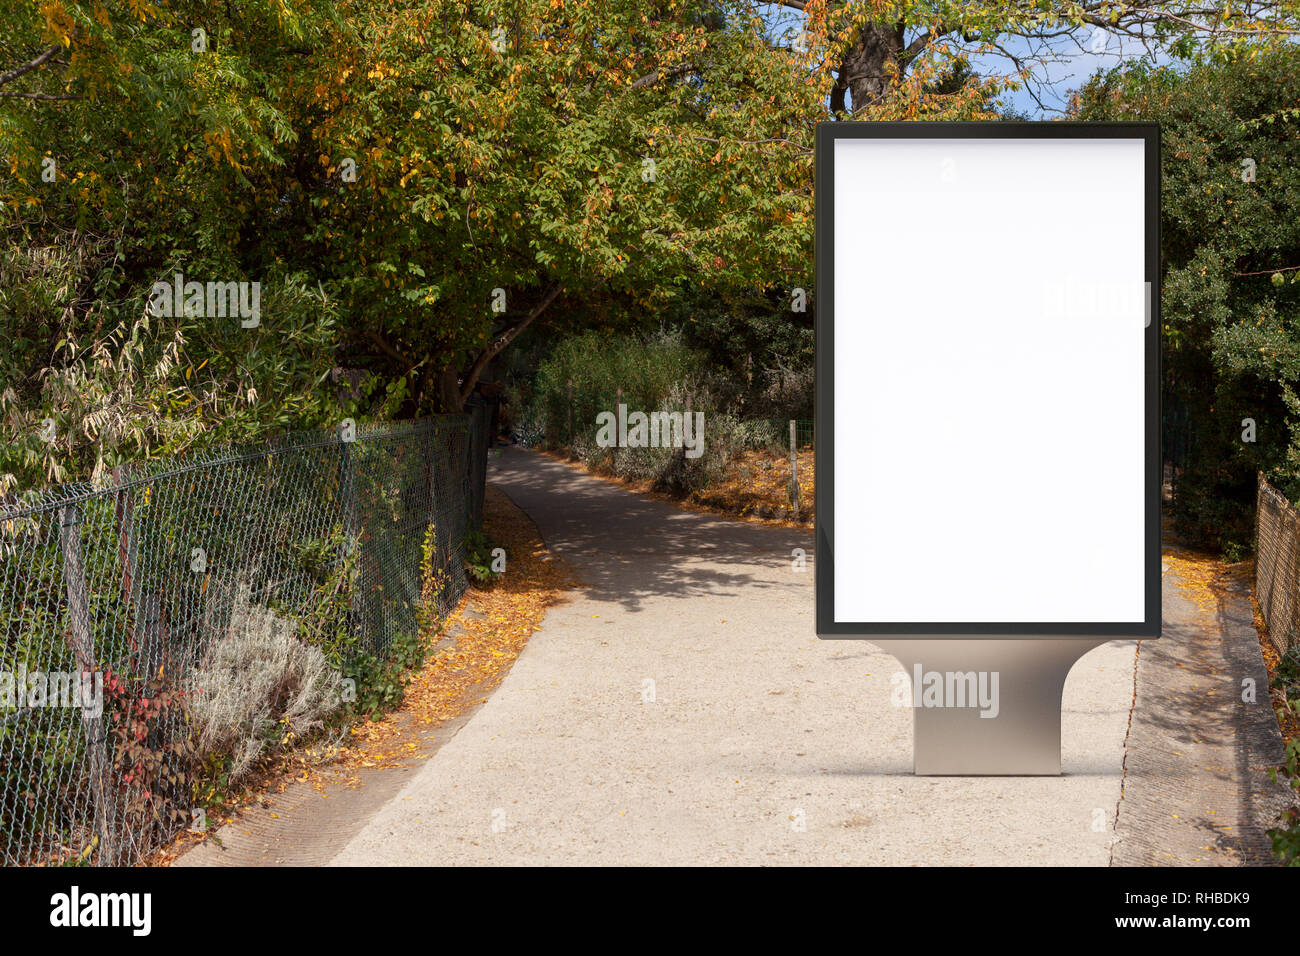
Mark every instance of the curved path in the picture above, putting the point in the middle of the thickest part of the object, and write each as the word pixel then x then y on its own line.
pixel 680 709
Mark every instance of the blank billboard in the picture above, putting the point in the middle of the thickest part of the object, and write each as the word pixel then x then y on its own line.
pixel 988 423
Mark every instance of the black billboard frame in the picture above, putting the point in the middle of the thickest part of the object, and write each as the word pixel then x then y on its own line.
pixel 830 132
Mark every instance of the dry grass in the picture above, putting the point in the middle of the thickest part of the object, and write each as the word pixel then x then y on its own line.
pixel 753 487
pixel 757 484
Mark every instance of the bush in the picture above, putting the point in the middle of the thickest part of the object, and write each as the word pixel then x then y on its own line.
pixel 768 434
pixel 669 469
pixel 258 684
pixel 480 563
pixel 646 369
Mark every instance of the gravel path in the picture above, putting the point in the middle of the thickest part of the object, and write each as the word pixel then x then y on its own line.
pixel 680 709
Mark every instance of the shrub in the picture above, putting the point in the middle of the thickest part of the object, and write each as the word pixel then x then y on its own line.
pixel 1286 836
pixel 479 558
pixel 257 684
pixel 669 469
pixel 153 776
pixel 646 368
pixel 764 433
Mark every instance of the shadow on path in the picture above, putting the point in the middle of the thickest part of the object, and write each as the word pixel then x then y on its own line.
pixel 629 548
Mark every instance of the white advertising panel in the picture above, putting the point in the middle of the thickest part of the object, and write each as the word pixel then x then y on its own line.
pixel 988 424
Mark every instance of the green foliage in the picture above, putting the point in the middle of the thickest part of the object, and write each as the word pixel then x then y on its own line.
pixel 759 346
pixel 147 158
pixel 1231 336
pixel 380 676
pixel 381 680
pixel 380 170
pixel 1288 672
pixel 1286 838
pixel 645 367
pixel 659 372
pixel 478 558
pixel 565 146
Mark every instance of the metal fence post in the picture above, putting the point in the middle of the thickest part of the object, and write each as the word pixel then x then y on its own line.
pixel 82 640
pixel 359 601
pixel 348 493
pixel 794 466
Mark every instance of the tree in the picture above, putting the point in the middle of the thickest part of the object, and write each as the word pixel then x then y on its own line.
pixel 414 185
pixel 130 135
pixel 881 51
pixel 510 165
pixel 1230 251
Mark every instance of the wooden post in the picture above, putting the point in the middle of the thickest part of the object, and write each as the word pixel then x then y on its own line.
pixel 83 647
pixel 685 418
pixel 794 466
pixel 358 599
pixel 570 414
pixel 151 635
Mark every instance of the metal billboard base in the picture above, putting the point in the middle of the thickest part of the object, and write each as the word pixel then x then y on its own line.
pixel 1021 734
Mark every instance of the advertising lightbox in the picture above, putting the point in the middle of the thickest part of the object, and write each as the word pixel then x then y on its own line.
pixel 988 422
pixel 987 380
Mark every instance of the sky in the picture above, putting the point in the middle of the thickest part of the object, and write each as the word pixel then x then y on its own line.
pixel 1075 59
pixel 1077 62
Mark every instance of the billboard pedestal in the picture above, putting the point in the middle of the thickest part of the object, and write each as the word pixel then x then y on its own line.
pixel 988 707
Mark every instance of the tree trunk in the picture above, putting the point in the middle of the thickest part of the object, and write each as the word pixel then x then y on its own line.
pixel 449 390
pixel 455 386
pixel 864 72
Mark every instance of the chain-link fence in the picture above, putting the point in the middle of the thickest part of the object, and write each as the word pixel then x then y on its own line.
pixel 1277 564
pixel 481 435
pixel 188 613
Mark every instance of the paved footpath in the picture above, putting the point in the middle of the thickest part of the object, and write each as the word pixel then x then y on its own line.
pixel 680 709
pixel 1196 787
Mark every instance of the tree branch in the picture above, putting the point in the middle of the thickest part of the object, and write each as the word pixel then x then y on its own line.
pixel 41 59
pixel 495 347
pixel 650 79
pixel 43 97
pixel 387 348
pixel 1267 272
pixel 923 40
